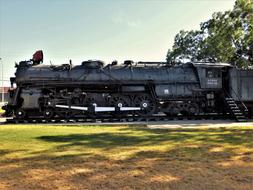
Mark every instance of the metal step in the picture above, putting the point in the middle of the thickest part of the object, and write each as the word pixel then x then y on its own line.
pixel 235 110
pixel 233 105
pixel 242 120
pixel 239 116
pixel 238 113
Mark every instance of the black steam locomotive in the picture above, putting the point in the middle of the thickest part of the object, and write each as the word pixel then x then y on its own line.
pixel 140 89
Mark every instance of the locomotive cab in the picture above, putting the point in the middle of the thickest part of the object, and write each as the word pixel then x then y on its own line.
pixel 210 75
pixel 211 78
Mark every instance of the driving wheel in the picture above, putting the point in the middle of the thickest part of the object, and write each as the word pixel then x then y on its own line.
pixel 147 105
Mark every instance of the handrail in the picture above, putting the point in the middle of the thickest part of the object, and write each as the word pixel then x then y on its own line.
pixel 245 107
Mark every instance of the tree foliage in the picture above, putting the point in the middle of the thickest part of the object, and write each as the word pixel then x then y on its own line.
pixel 226 37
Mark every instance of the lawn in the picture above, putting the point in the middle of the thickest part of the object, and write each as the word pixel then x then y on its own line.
pixel 125 157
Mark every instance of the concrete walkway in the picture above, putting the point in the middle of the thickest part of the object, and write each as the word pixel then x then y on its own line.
pixel 199 124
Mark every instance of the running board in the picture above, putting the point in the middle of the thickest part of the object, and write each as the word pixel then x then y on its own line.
pixel 99 109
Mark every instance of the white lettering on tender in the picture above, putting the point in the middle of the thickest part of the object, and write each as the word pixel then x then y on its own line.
pixel 212 81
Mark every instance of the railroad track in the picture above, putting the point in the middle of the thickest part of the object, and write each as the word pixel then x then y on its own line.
pixel 114 119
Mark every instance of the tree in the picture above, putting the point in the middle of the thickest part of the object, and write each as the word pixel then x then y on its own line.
pixel 226 37
pixel 186 47
pixel 243 13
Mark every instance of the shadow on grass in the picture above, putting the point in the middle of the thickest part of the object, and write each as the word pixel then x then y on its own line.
pixel 216 135
pixel 114 140
pixel 146 137
pixel 4 152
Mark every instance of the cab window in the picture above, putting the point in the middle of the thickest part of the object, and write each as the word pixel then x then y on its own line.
pixel 213 73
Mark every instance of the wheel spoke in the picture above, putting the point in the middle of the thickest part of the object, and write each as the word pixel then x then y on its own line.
pixel 147 105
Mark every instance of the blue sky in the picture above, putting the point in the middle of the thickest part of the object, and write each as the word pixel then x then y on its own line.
pixel 141 30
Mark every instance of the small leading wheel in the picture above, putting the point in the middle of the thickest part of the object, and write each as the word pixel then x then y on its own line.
pixel 48 113
pixel 20 113
pixel 147 105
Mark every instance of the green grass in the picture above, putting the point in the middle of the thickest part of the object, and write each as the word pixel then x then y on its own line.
pixel 125 157
pixel 118 142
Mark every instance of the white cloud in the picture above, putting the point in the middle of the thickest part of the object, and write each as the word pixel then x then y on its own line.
pixel 123 19
pixel 134 23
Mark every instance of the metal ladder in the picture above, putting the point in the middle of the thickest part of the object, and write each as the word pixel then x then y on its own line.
pixel 235 110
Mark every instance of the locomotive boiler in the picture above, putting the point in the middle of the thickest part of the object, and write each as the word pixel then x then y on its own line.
pixel 142 89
